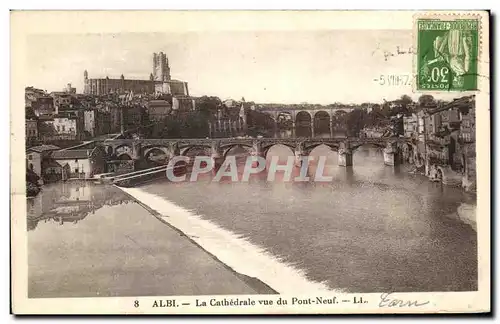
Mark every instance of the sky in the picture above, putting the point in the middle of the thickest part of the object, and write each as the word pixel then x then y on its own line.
pixel 318 67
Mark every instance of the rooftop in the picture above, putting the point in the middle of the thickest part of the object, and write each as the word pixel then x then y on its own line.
pixel 158 103
pixel 44 148
pixel 71 154
pixel 45 117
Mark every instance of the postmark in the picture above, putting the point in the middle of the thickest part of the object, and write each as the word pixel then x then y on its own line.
pixel 447 53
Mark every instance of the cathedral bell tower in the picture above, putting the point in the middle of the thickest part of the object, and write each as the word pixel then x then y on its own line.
pixel 161 69
pixel 86 85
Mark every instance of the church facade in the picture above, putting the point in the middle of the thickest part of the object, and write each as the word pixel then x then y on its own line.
pixel 159 82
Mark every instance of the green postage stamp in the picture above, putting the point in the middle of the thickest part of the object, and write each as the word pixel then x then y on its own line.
pixel 447 54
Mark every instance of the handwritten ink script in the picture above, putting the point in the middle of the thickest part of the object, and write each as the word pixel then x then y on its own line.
pixel 388 300
pixel 399 51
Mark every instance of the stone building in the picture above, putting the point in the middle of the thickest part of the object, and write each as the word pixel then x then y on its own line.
pixel 68 126
pixel 35 156
pixel 80 163
pixel 159 82
pixel 158 109
pixel 468 126
pixel 450 118
pixel 115 115
pixel 43 106
pixel 468 146
pixel 32 94
pixel 410 125
pixel 31 130
pixel 69 89
pixel 97 122
pixel 132 117
pixel 183 104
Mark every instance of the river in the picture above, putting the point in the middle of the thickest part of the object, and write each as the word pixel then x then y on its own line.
pixel 372 228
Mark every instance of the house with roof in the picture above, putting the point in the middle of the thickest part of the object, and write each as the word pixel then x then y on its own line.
pixel 80 163
pixel 37 155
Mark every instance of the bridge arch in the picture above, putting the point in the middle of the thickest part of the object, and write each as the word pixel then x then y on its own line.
pixel 303 124
pixel 156 154
pixel 266 149
pixel 326 151
pixel 153 148
pixel 331 146
pixel 185 150
pixel 124 148
pixel 377 145
pixel 304 114
pixel 321 122
pixel 124 156
pixel 321 111
pixel 227 148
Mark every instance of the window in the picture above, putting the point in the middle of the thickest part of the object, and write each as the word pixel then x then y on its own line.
pixel 63 128
pixel 58 128
pixel 76 170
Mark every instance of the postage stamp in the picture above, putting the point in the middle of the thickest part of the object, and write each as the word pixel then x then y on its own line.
pixel 447 53
pixel 249 162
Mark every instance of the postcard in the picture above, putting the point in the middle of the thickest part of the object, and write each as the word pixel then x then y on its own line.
pixel 250 162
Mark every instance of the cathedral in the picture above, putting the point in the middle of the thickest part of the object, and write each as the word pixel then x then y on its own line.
pixel 159 82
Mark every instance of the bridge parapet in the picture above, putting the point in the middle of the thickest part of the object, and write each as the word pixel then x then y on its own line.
pixel 218 148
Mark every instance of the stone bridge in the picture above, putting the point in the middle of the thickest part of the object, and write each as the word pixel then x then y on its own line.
pixel 140 149
pixel 309 114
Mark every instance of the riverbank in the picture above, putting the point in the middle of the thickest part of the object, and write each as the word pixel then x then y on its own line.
pixel 95 241
pixel 467 213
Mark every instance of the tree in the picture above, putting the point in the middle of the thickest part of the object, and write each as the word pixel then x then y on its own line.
pixel 386 109
pixel 406 103
pixel 339 119
pixel 406 100
pixel 426 100
pixel 208 106
pixel 31 176
pixel 355 122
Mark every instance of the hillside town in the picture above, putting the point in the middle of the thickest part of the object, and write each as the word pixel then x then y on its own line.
pixel 58 123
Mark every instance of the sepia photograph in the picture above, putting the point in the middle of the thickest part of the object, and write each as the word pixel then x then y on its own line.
pixel 333 168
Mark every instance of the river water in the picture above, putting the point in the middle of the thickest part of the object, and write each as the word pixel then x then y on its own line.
pixel 87 240
pixel 372 228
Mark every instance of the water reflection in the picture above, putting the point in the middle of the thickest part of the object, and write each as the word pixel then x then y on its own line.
pixel 70 202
